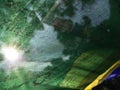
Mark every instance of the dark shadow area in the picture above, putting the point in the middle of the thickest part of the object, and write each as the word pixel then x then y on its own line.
pixel 113 84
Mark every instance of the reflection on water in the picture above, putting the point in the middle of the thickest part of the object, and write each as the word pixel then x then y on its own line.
pixel 46 51
pixel 44 45
pixel 42 49
pixel 98 11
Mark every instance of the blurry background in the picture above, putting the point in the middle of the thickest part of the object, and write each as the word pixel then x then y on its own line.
pixel 63 42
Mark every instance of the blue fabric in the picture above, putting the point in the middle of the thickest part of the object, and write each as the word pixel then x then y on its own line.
pixel 114 74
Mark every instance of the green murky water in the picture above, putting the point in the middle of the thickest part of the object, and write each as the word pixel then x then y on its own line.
pixel 52 34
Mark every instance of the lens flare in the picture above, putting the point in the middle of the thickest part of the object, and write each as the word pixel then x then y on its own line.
pixel 11 54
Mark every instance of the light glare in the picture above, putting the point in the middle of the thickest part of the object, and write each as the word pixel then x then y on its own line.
pixel 11 54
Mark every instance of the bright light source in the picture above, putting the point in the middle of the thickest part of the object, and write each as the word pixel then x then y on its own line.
pixel 11 54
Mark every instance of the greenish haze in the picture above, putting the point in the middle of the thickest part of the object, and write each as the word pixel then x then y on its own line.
pixel 89 47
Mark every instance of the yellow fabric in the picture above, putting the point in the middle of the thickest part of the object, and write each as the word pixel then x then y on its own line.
pixel 103 76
